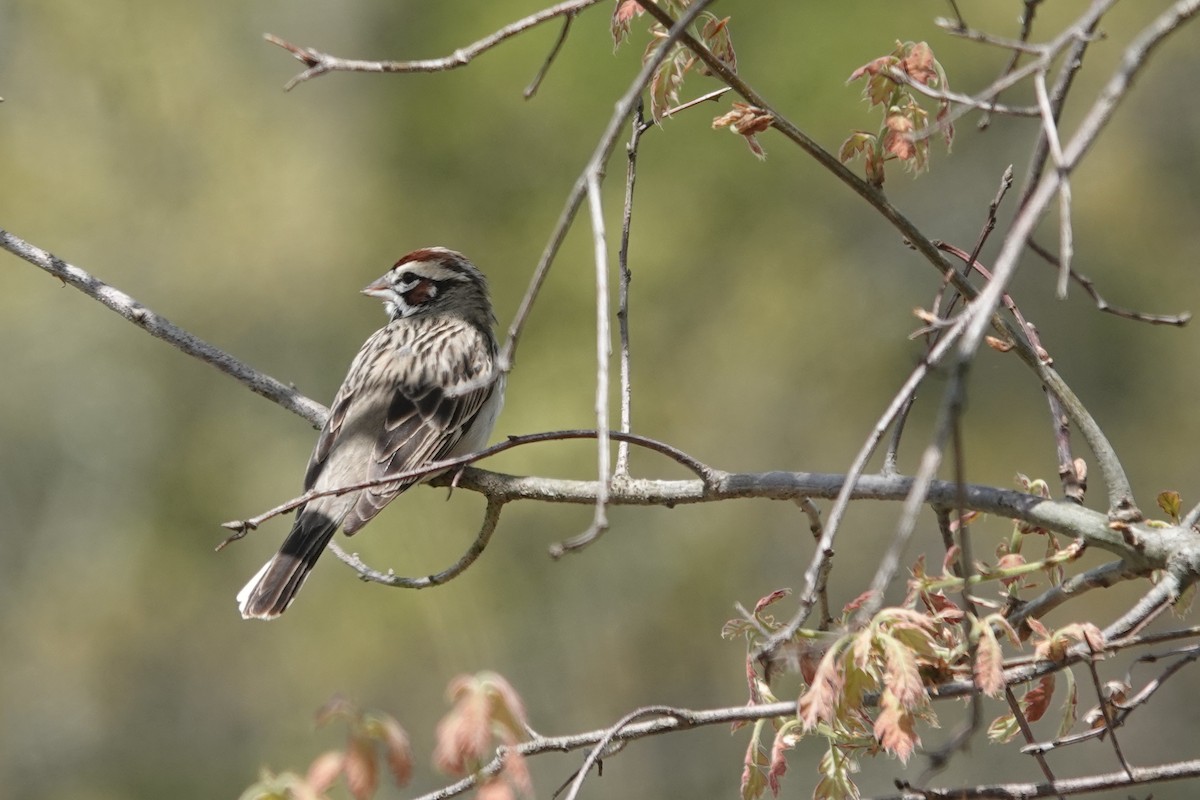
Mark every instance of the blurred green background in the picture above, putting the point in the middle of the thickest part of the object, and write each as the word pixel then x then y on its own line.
pixel 151 144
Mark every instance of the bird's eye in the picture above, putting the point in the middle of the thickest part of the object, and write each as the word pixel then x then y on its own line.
pixel 417 290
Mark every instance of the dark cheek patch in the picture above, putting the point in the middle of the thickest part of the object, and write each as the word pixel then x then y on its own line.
pixel 420 294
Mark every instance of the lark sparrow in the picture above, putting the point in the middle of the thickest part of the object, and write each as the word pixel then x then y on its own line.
pixel 421 389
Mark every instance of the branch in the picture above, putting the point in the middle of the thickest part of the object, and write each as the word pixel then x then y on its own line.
pixel 603 353
pixel 433 468
pixel 1100 577
pixel 159 326
pixel 1089 286
pixel 491 517
pixel 536 83
pixel 1187 656
pixel 983 102
pixel 1064 786
pixel 865 190
pixel 1078 35
pixel 1121 502
pixel 319 63
pixel 604 745
pixel 824 550
pixel 1146 548
pixel 594 167
pixel 672 719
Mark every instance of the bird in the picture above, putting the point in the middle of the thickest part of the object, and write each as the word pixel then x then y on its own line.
pixel 422 388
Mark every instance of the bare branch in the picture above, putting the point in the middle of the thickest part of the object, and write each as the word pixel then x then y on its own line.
pixel 1176 320
pixel 603 352
pixel 1065 786
pixel 824 549
pixel 1019 715
pixel 491 516
pixel 1100 577
pixel 159 326
pixel 673 719
pixel 602 747
pixel 1014 57
pixel 989 223
pixel 595 166
pixel 639 126
pixel 871 194
pixel 1107 712
pixel 242 527
pixel 960 29
pixel 536 83
pixel 1121 502
pixel 319 63
pixel 983 102
pixel 1058 95
pixel 1050 131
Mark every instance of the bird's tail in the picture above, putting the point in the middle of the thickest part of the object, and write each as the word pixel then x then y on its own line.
pixel 271 591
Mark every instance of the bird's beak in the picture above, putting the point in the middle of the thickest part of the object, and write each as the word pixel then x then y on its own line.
pixel 380 288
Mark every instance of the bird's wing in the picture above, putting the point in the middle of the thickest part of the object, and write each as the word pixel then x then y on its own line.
pixel 437 394
pixel 366 372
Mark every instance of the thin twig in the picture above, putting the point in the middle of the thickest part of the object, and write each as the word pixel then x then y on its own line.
pixel 961 30
pixel 966 555
pixel 1071 64
pixel 824 548
pixel 1066 247
pixel 983 102
pixel 965 570
pixel 704 98
pixel 595 166
pixel 1100 577
pixel 891 456
pixel 816 528
pixel 1015 56
pixel 621 470
pixel 1191 517
pixel 491 516
pixel 1121 503
pixel 1107 712
pixel 1074 484
pixel 959 21
pixel 1176 320
pixel 1189 655
pixel 318 63
pixel 603 353
pixel 989 222
pixel 602 746
pixel 536 83
pixel 1019 715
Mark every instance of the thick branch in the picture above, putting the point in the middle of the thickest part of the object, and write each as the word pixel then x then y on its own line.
pixel 1146 547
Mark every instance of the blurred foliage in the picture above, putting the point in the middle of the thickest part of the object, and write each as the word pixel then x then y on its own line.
pixel 151 144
